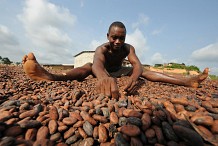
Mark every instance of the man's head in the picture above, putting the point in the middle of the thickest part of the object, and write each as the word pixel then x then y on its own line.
pixel 116 34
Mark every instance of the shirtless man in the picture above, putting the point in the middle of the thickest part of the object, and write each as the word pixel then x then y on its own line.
pixel 107 65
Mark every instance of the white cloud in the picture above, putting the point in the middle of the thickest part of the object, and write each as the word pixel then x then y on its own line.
pixel 157 58
pixel 206 54
pixel 142 20
pixel 139 42
pixel 10 46
pixel 48 27
pixel 7 38
pixel 157 31
pixel 94 44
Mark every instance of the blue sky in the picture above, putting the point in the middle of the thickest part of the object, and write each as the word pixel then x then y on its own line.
pixel 161 31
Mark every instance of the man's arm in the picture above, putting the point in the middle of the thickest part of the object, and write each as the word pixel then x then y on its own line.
pixel 106 85
pixel 137 70
pixel 98 68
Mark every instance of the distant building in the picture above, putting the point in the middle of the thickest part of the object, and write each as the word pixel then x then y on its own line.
pixel 87 56
pixel 83 57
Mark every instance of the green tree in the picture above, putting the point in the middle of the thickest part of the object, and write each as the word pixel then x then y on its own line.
pixel 6 60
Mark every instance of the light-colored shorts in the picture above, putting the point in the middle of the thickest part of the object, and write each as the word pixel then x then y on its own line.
pixel 123 71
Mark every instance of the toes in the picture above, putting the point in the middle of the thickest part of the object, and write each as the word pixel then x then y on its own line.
pixel 31 56
pixel 24 59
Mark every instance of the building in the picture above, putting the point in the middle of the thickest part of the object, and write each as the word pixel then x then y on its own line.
pixel 83 57
pixel 87 56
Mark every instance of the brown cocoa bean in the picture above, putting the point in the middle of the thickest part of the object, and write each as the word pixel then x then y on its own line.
pixel 69 120
pixel 132 113
pixel 30 113
pixel 146 121
pixel 53 113
pixel 100 118
pixel 82 133
pixel 135 141
pixel 52 126
pixel 55 137
pixel 62 128
pixel 205 131
pixel 30 124
pixel 214 127
pixel 78 124
pixel 42 133
pixel 31 134
pixel 5 115
pixel 69 132
pixel 150 133
pixel 88 118
pixel 113 118
pixel 13 131
pixel 202 120
pixel 95 132
pixel 76 115
pixel 130 130
pixel 102 133
pixel 159 134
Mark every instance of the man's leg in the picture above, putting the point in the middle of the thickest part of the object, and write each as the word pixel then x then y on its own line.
pixel 33 69
pixel 182 81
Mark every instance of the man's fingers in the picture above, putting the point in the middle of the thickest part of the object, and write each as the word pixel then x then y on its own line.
pixel 114 90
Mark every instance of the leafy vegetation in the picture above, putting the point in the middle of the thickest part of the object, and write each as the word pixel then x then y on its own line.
pixel 5 60
pixel 179 66
pixel 213 77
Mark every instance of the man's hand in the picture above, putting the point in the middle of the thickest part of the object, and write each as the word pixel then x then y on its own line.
pixel 108 86
pixel 131 85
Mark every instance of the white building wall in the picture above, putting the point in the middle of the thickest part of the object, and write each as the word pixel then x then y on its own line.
pixel 83 58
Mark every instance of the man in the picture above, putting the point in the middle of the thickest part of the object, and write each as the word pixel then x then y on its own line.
pixel 107 66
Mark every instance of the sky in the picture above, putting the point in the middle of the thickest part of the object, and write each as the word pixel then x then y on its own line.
pixel 162 31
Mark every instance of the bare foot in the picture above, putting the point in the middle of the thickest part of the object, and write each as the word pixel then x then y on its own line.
pixel 196 81
pixel 33 69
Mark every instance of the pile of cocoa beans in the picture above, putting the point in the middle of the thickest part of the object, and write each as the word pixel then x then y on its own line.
pixel 72 113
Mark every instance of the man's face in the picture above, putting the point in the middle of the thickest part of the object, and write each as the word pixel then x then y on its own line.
pixel 116 37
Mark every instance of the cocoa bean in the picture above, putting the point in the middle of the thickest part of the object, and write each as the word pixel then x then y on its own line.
pixel 135 141
pixel 69 120
pixel 82 133
pixel 31 134
pixel 102 133
pixel 130 130
pixel 95 132
pixel 146 121
pixel 13 131
pixel 53 113
pixel 30 124
pixel 214 127
pixel 114 118
pixel 120 141
pixel 52 126
pixel 132 113
pixel 134 121
pixel 88 128
pixel 188 135
pixel 88 118
pixel 8 141
pixel 169 132
pixel 42 133
pixel 100 118
pixel 55 136
pixel 69 132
